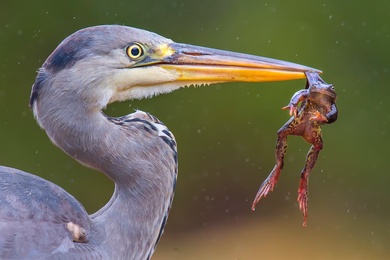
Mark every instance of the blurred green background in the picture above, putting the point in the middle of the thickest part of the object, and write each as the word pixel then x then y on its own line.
pixel 226 133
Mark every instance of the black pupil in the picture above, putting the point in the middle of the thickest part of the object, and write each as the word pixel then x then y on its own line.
pixel 135 51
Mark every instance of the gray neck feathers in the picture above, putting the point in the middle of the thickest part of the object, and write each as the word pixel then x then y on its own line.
pixel 139 161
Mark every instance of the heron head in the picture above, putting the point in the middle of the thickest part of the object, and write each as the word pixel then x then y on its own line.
pixel 109 63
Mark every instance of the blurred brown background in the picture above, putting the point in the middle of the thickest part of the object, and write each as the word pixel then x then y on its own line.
pixel 226 133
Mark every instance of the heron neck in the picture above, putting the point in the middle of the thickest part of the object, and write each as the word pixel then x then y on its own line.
pixel 135 159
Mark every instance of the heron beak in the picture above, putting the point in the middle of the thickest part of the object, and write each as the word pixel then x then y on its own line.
pixel 196 64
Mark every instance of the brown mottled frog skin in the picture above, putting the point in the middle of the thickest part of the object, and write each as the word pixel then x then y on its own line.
pixel 318 107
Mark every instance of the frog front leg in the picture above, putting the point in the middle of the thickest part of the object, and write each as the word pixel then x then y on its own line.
pixel 315 138
pixel 298 97
pixel 280 151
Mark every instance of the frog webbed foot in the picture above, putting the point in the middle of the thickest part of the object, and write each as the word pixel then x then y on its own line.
pixel 303 197
pixel 268 185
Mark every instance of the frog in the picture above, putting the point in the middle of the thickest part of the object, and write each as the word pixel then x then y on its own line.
pixel 317 107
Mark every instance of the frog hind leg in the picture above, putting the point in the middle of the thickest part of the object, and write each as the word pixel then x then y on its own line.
pixel 316 140
pixel 280 151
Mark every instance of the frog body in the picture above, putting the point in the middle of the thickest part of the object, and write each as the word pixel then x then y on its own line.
pixel 318 107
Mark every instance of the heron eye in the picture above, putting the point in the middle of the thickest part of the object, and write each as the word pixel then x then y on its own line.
pixel 134 51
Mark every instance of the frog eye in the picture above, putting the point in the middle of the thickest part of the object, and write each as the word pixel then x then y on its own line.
pixel 134 51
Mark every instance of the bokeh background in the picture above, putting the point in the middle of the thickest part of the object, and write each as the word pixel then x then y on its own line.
pixel 226 132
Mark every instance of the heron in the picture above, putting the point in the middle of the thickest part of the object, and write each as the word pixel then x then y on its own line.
pixel 88 70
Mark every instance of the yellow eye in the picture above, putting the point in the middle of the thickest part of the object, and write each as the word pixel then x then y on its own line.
pixel 134 51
